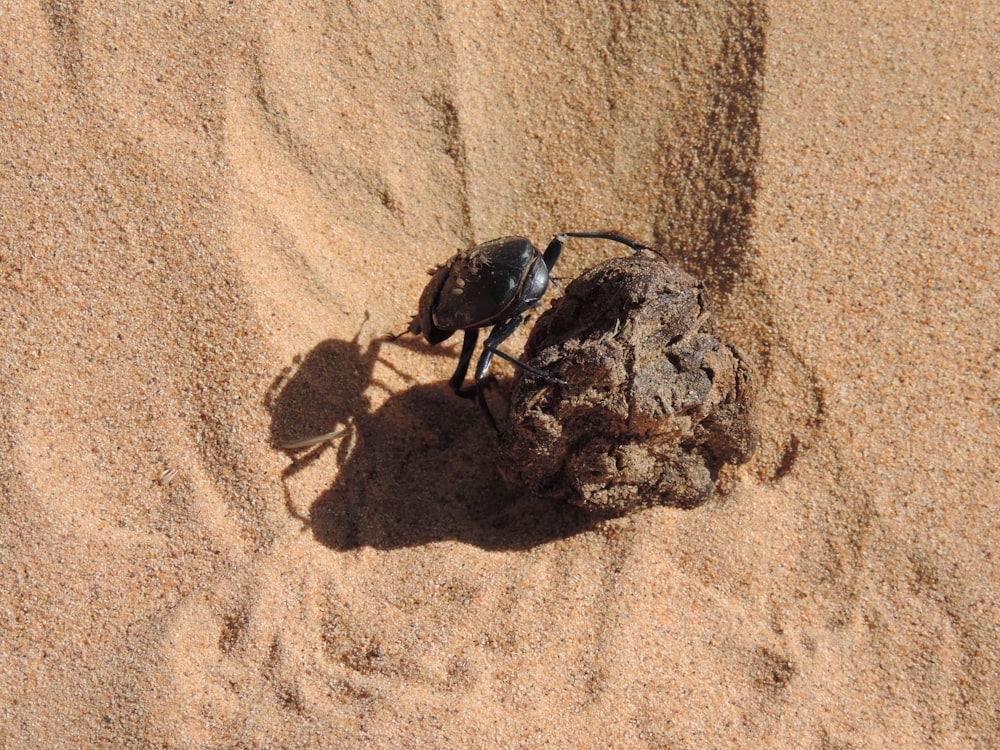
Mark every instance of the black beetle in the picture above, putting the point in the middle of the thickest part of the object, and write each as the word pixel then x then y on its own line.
pixel 492 284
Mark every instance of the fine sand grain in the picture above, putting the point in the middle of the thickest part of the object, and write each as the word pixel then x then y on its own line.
pixel 210 216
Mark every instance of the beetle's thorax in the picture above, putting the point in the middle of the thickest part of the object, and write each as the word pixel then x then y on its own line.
pixel 486 284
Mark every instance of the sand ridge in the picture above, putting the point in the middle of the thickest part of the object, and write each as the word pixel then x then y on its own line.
pixel 211 215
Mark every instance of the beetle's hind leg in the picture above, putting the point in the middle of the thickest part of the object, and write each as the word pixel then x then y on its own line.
pixel 614 237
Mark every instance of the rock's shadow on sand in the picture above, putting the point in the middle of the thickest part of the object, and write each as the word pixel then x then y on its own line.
pixel 420 469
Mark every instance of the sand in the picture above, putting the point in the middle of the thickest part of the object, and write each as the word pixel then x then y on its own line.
pixel 211 215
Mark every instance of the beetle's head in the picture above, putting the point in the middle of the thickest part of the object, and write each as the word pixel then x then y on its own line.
pixel 415 327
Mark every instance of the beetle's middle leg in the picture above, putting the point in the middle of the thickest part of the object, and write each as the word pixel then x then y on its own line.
pixel 498 335
pixel 491 347
pixel 548 377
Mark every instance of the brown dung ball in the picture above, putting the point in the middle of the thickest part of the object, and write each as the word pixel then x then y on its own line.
pixel 654 404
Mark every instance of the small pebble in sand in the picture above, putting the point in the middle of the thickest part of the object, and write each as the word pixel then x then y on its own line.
pixel 166 477
pixel 654 404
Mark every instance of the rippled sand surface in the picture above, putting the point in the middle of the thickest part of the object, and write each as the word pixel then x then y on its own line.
pixel 210 217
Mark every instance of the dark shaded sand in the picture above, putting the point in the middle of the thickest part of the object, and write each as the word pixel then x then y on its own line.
pixel 208 219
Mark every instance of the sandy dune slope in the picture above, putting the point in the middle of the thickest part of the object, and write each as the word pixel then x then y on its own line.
pixel 210 217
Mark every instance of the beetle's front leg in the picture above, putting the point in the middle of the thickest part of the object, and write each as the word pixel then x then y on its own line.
pixel 468 346
pixel 498 335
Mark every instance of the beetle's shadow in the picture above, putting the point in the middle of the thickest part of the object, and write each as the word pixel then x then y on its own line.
pixel 319 391
pixel 419 469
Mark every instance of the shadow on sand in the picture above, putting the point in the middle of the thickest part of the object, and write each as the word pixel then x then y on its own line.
pixel 420 469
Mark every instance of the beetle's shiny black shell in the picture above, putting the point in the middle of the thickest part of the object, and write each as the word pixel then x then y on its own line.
pixel 485 284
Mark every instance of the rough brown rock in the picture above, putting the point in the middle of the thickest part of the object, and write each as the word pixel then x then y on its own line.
pixel 654 404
